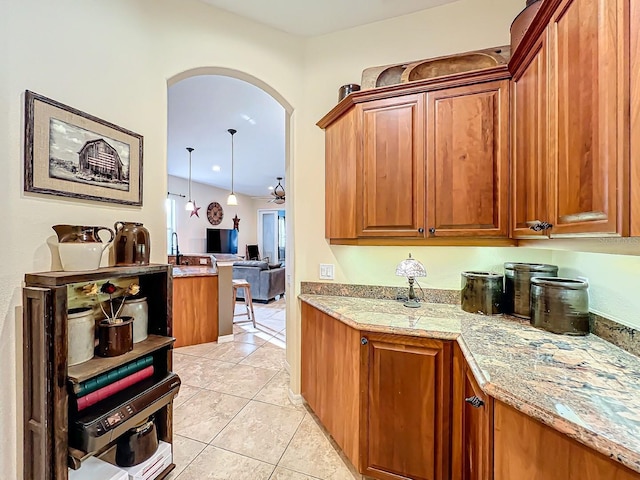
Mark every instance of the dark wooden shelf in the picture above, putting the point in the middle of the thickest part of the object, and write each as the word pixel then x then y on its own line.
pixel 56 279
pixel 97 365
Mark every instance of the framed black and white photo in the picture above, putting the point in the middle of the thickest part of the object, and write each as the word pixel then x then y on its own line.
pixel 70 153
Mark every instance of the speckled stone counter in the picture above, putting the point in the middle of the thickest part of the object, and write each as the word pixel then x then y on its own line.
pixel 184 271
pixel 583 387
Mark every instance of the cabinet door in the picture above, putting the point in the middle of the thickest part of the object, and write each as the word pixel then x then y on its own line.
pixel 529 134
pixel 472 430
pixel 391 187
pixel 468 160
pixel 330 376
pixel 586 162
pixel 635 116
pixel 340 177
pixel 528 450
pixel 404 425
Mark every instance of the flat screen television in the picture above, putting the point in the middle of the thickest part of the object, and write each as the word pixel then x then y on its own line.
pixel 222 240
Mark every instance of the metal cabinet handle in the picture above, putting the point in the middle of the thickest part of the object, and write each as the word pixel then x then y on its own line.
pixel 474 401
pixel 421 230
pixel 541 226
pixel 364 341
pixel 432 231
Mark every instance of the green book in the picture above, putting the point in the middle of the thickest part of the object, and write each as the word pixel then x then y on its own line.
pixel 114 375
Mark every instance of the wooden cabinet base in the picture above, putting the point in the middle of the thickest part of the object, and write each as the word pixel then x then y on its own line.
pixel 525 449
pixel 195 310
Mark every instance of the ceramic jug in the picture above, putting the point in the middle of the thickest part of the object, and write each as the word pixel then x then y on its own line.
pixel 132 244
pixel 80 246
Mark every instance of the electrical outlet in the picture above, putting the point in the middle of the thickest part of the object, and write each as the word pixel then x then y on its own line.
pixel 203 261
pixel 326 271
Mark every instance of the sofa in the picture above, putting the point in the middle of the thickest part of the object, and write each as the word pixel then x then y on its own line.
pixel 267 281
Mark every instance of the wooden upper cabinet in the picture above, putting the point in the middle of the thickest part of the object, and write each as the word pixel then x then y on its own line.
pixel 340 177
pixel 529 143
pixel 586 92
pixel 404 421
pixel 634 66
pixel 468 160
pixel 391 167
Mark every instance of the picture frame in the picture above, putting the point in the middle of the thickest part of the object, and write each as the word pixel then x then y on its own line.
pixel 70 153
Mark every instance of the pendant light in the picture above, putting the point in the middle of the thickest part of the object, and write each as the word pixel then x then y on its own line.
pixel 190 206
pixel 232 199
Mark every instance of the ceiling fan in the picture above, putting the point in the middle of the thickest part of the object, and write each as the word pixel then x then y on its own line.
pixel 278 193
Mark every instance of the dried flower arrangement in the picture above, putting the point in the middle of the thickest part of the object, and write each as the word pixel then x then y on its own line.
pixel 109 288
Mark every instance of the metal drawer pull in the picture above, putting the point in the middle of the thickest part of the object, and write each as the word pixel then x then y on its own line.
pixel 364 340
pixel 474 401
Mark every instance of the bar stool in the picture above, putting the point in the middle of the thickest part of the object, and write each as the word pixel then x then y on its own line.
pixel 248 301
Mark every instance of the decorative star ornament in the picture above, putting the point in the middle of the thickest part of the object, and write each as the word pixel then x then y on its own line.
pixel 195 211
pixel 236 223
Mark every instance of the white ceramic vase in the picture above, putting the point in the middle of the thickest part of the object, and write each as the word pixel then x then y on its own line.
pixel 81 335
pixel 139 310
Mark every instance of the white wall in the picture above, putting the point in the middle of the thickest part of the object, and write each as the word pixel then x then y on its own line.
pixel 339 58
pixel 192 230
pixel 119 74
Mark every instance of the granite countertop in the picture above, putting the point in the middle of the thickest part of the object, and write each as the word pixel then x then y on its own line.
pixel 583 387
pixel 194 271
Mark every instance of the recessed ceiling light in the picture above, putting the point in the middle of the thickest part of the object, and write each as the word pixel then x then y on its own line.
pixel 248 119
pixel 270 187
pixel 216 168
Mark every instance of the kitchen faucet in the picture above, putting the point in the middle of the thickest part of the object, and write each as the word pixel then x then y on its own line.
pixel 177 248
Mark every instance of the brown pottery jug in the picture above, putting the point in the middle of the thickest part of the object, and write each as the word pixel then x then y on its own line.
pixel 80 246
pixel 132 244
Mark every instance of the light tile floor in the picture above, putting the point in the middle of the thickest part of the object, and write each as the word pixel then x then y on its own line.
pixel 233 419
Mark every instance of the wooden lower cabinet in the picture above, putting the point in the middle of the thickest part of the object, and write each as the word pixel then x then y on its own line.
pixel 405 407
pixel 525 449
pixel 195 310
pixel 331 377
pixel 384 399
pixel 472 425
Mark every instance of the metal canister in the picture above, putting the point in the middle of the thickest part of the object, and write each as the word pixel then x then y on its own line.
pixel 482 292
pixel 517 285
pixel 560 305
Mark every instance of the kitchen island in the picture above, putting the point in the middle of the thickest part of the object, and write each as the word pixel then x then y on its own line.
pixel 195 305
pixel 553 406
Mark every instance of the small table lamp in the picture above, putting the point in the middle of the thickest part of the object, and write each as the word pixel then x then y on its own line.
pixel 411 268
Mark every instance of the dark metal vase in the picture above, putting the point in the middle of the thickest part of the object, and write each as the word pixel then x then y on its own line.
pixel 517 285
pixel 137 445
pixel 347 89
pixel 115 338
pixel 482 292
pixel 560 305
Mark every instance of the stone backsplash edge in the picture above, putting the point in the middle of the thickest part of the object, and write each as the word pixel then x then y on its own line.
pixel 620 335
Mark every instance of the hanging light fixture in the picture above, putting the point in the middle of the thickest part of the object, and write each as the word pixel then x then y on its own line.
pixel 232 199
pixel 278 193
pixel 190 206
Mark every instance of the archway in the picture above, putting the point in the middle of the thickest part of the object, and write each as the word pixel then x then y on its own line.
pixel 288 142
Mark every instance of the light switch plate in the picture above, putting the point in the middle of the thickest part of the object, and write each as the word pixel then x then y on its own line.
pixel 326 271
pixel 203 261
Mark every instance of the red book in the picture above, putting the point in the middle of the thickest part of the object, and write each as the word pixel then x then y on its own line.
pixel 113 388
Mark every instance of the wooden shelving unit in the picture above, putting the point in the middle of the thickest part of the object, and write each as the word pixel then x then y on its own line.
pixel 97 365
pixel 48 380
